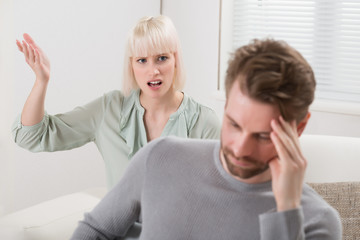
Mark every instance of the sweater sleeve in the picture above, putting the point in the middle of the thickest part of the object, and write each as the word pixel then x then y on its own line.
pixel 121 207
pixel 62 131
pixel 290 225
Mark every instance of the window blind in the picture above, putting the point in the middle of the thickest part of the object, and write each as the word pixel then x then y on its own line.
pixel 325 32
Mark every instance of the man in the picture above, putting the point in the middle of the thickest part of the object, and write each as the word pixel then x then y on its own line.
pixel 247 186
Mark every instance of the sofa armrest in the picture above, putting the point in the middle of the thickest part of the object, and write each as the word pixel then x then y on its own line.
pixel 55 219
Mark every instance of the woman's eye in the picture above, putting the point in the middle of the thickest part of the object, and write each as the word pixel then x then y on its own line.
pixel 162 58
pixel 234 125
pixel 141 60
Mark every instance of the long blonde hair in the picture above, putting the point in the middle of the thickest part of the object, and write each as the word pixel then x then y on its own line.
pixel 152 36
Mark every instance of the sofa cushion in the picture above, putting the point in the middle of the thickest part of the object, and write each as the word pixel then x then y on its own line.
pixel 345 198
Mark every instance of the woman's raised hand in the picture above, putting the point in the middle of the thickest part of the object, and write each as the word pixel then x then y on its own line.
pixel 35 57
pixel 33 110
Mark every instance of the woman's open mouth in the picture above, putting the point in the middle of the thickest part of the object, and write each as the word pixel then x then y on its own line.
pixel 154 83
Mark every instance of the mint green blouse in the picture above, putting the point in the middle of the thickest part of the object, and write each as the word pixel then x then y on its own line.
pixel 115 124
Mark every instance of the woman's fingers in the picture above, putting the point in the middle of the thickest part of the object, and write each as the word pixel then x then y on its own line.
pixel 18 43
pixel 31 41
pixel 37 56
pixel 31 54
pixel 25 50
pixel 28 46
pixel 28 39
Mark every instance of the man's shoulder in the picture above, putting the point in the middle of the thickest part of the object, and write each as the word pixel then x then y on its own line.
pixel 179 153
pixel 171 145
pixel 175 140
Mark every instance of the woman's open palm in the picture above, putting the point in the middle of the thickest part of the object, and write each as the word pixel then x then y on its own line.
pixel 35 57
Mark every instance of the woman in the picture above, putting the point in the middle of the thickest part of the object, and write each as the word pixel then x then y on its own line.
pixel 120 122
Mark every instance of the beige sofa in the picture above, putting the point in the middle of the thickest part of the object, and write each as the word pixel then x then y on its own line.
pixel 332 171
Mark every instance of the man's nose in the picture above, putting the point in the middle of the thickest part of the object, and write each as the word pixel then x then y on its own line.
pixel 243 146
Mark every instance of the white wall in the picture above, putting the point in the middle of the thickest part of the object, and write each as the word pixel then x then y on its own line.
pixel 6 101
pixel 85 42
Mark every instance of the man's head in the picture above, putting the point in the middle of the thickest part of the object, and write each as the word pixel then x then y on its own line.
pixel 273 72
pixel 265 80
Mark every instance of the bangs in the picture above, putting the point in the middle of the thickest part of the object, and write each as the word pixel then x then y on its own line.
pixel 152 41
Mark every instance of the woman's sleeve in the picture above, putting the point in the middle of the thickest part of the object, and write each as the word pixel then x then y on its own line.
pixel 62 131
pixel 207 125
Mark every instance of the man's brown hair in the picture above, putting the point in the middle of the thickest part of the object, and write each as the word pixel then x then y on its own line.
pixel 273 72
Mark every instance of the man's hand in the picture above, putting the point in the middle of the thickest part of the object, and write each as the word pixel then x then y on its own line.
pixel 288 168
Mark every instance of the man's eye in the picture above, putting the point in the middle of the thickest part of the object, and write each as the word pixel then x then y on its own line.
pixel 264 137
pixel 141 60
pixel 162 58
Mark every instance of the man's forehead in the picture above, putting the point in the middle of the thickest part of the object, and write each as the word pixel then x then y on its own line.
pixel 248 111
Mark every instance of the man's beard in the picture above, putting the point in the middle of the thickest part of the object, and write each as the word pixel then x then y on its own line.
pixel 255 167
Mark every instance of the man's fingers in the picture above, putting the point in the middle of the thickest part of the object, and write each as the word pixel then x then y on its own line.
pixel 287 149
pixel 281 149
pixel 281 139
pixel 291 130
pixel 274 165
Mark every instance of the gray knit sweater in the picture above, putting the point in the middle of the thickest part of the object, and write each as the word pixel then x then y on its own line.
pixel 178 189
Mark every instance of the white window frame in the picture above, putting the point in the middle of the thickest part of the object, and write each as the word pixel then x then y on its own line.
pixel 225 48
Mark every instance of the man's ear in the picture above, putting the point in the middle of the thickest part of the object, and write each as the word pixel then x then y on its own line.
pixel 302 124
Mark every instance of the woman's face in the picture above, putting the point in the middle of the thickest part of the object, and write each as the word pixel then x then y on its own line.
pixel 154 74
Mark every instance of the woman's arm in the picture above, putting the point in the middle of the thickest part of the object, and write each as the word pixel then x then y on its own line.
pixel 33 111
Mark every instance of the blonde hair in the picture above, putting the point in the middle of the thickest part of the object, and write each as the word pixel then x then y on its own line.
pixel 152 36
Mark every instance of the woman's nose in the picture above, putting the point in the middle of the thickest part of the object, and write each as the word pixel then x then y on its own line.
pixel 153 69
pixel 156 71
